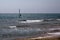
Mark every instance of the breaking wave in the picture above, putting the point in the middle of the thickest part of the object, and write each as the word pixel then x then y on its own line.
pixel 30 21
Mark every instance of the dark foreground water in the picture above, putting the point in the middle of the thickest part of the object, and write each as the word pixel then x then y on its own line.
pixel 11 19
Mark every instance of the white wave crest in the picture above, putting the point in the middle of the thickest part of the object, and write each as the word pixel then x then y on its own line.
pixel 13 27
pixel 56 33
pixel 31 21
pixel 58 19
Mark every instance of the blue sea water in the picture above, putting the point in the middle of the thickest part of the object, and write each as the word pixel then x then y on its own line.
pixel 30 16
pixel 8 19
pixel 11 18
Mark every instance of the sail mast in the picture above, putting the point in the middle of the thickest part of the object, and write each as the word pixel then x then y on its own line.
pixel 19 14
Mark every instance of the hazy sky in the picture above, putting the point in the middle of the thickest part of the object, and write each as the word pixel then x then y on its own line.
pixel 30 6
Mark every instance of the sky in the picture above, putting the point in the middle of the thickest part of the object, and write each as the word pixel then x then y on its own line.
pixel 30 6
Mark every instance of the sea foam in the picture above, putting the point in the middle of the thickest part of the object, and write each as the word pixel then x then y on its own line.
pixel 31 21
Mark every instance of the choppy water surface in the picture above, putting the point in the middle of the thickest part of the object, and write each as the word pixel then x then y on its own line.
pixel 7 20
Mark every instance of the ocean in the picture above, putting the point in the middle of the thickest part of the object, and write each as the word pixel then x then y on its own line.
pixel 30 16
pixel 10 19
